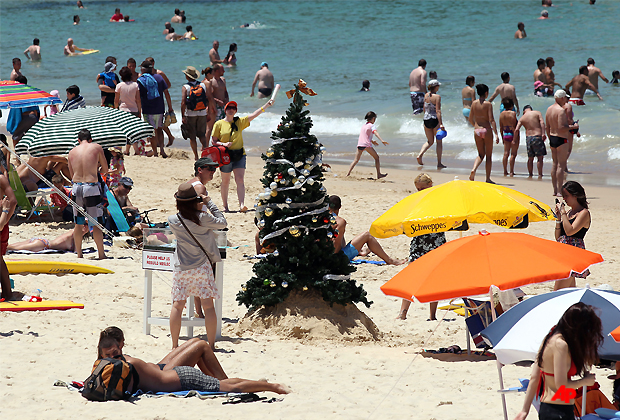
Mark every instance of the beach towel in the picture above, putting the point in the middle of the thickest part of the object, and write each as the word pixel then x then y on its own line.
pixel 46 305
pixel 51 251
pixel 150 83
pixel 363 261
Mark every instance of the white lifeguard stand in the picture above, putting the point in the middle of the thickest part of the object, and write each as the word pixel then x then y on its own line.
pixel 159 254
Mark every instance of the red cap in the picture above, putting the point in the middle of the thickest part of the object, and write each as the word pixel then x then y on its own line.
pixel 232 104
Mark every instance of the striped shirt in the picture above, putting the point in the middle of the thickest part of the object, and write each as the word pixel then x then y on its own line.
pixel 75 103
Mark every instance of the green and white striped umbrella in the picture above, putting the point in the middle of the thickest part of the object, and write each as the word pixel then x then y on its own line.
pixel 57 135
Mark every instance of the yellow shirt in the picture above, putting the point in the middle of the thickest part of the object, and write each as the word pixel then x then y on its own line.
pixel 222 132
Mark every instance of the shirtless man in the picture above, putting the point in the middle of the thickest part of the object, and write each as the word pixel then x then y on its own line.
pixel 541 88
pixel 220 93
pixel 535 136
pixel 264 77
pixel 505 90
pixel 468 95
pixel 580 83
pixel 417 87
pixel 520 34
pixel 540 67
pixel 549 75
pixel 177 18
pixel 354 248
pixel 174 374
pixel 71 49
pixel 204 169
pixel 7 207
pixel 593 74
pixel 63 242
pixel 42 165
pixel 33 52
pixel 16 72
pixel 85 161
pixel 173 36
pixel 510 136
pixel 557 127
pixel 481 118
pixel 214 56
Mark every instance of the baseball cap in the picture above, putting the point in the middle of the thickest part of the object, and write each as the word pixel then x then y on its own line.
pixel 264 64
pixel 126 181
pixel 231 104
pixel 146 64
pixel 204 161
pixel 560 94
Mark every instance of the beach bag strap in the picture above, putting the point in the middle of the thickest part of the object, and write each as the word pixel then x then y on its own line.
pixel 193 237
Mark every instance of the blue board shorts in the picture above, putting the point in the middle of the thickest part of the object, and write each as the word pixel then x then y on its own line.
pixel 350 251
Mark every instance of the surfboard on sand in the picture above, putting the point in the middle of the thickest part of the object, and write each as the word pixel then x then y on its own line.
pixel 46 305
pixel 117 213
pixel 53 267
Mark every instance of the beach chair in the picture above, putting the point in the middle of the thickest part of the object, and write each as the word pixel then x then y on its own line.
pixel 23 197
pixel 479 317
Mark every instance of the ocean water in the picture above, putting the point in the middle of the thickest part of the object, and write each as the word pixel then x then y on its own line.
pixel 334 45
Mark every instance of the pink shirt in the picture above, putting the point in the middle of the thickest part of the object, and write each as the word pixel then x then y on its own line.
pixel 127 99
pixel 365 139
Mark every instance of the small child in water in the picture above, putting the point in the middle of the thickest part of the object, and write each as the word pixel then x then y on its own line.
pixel 365 142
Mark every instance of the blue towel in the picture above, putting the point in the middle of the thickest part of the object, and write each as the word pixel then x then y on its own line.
pixel 151 85
pixel 13 120
pixel 362 261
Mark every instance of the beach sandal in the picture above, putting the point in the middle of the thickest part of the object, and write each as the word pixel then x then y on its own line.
pixel 244 398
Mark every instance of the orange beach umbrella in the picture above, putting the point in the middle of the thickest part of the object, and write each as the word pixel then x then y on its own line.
pixel 471 265
pixel 616 334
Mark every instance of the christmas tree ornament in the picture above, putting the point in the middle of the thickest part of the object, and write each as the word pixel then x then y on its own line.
pixel 279 176
pixel 285 284
pixel 323 148
pixel 298 184
pixel 306 172
pixel 268 212
pixel 267 190
pixel 273 185
pixel 261 223
pixel 294 180
pixel 332 220
pixel 282 181
pixel 326 220
pixel 315 219
pixel 269 152
pixel 274 193
pixel 301 178
pixel 322 189
pixel 330 235
pixel 309 161
pixel 291 171
pixel 305 288
pixel 294 230
pixel 288 200
pixel 310 181
pixel 244 288
pixel 272 284
pixel 266 282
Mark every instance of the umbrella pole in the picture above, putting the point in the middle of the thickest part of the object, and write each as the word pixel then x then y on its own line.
pixel 499 365
pixel 583 400
pixel 62 194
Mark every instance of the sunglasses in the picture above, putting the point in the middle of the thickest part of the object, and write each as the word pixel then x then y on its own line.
pixel 210 168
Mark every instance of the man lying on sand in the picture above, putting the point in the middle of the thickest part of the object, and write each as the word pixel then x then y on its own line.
pixel 354 248
pixel 62 242
pixel 176 372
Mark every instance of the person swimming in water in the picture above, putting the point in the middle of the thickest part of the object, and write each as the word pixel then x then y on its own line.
pixel 510 137
pixel 615 77
pixel 468 95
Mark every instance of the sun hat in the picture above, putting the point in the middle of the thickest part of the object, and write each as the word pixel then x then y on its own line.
pixel 191 72
pixel 186 192
pixel 54 92
pixel 434 82
pixel 231 104
pixel 538 84
pixel 560 94
pixel 202 162
pixel 264 64
pixel 126 181
pixel 109 67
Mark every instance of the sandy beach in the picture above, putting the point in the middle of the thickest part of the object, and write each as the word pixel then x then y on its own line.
pixel 330 377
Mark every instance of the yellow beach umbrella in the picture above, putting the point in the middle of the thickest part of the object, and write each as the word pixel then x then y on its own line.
pixel 455 204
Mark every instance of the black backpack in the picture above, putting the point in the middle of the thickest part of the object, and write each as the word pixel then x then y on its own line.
pixel 110 380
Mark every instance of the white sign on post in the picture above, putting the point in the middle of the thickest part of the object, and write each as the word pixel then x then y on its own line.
pixel 156 260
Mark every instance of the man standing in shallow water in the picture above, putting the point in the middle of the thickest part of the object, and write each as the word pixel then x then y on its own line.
pixel 417 87
pixel 214 56
pixel 86 161
pixel 580 83
pixel 593 74
pixel 520 34
pixel 535 138
pixel 558 131
pixel 220 93
pixel 33 52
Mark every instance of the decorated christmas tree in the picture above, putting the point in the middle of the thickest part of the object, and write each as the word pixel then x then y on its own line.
pixel 296 226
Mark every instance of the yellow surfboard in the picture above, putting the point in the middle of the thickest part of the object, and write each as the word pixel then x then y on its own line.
pixel 46 305
pixel 90 52
pixel 53 267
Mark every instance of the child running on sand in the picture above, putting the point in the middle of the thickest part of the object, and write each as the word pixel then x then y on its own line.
pixel 365 142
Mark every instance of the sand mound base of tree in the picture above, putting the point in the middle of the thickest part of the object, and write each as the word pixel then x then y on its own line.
pixel 306 316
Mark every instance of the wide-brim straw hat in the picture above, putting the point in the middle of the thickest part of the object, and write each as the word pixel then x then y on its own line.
pixel 191 72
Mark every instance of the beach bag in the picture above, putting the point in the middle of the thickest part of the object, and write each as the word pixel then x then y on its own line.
pixel 110 380
pixel 218 154
pixel 196 98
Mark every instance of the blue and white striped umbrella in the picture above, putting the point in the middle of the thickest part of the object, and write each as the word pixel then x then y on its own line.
pixel 518 333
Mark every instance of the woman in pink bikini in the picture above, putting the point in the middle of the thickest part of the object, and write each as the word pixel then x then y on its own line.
pixel 569 349
pixel 481 117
